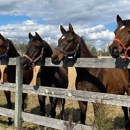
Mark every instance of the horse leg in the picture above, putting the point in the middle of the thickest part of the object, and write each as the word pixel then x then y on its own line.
pixel 24 101
pixel 83 109
pixel 53 101
pixel 62 109
pixel 125 110
pixel 9 104
pixel 42 104
pixel 41 100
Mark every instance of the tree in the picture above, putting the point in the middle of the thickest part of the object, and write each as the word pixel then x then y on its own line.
pixel 94 51
pixel 20 45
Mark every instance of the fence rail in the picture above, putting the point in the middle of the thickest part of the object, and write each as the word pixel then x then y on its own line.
pixel 120 100
pixel 81 62
pixel 95 97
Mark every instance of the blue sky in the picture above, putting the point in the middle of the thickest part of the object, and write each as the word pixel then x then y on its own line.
pixel 94 20
pixel 10 19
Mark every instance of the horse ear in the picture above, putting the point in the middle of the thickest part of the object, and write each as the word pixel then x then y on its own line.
pixel 30 35
pixel 62 29
pixel 38 36
pixel 1 37
pixel 119 20
pixel 71 28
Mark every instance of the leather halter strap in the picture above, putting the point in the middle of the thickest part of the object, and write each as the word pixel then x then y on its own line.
pixel 126 49
pixel 35 60
pixel 71 53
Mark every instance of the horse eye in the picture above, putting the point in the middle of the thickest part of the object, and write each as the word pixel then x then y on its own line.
pixel 129 31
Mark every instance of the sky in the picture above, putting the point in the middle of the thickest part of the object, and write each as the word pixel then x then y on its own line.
pixel 93 19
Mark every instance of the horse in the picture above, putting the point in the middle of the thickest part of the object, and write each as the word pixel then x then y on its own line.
pixel 121 42
pixel 105 80
pixel 37 50
pixel 7 50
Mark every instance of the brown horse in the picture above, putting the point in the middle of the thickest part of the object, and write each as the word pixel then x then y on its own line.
pixel 113 81
pixel 38 50
pixel 121 41
pixel 7 50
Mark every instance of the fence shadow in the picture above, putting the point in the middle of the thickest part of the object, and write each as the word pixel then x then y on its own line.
pixel 118 122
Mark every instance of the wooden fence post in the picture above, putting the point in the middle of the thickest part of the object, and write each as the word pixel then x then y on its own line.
pixel 18 93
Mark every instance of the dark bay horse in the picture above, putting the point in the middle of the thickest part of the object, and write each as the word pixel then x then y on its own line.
pixel 104 80
pixel 38 50
pixel 121 42
pixel 7 50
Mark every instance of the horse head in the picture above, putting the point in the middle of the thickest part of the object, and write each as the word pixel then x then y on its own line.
pixel 37 50
pixel 68 45
pixel 121 41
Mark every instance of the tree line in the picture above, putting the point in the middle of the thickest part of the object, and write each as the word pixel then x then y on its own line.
pixel 21 45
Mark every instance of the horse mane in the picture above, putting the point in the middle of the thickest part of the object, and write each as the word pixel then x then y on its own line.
pixel 12 52
pixel 126 23
pixel 85 49
pixel 47 49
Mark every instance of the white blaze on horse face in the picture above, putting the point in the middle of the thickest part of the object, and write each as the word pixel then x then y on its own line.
pixel 122 27
pixel 62 37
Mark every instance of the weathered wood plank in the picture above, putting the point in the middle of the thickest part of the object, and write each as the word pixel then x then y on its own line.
pixel 113 99
pixel 53 123
pixel 6 112
pixel 92 63
pixel 18 93
pixel 42 120
pixel 81 62
pixel 10 61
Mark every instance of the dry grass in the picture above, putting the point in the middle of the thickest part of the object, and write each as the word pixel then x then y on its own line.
pixel 115 113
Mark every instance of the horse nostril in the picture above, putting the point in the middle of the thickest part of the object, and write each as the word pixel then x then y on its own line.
pixel 54 58
pixel 115 50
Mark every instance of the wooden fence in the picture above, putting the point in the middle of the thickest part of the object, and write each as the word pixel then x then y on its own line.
pixel 18 115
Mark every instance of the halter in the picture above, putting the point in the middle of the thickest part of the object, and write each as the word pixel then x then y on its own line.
pixel 5 54
pixel 35 60
pixel 126 49
pixel 71 53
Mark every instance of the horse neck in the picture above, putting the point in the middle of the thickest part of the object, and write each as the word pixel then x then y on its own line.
pixel 84 51
pixel 47 49
pixel 12 52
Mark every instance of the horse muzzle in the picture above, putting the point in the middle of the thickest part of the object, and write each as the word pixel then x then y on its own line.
pixel 25 65
pixel 114 52
pixel 55 60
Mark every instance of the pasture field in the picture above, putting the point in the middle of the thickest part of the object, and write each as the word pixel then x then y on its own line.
pixel 114 114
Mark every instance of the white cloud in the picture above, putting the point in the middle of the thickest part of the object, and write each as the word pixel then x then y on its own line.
pixel 76 12
pixel 87 17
